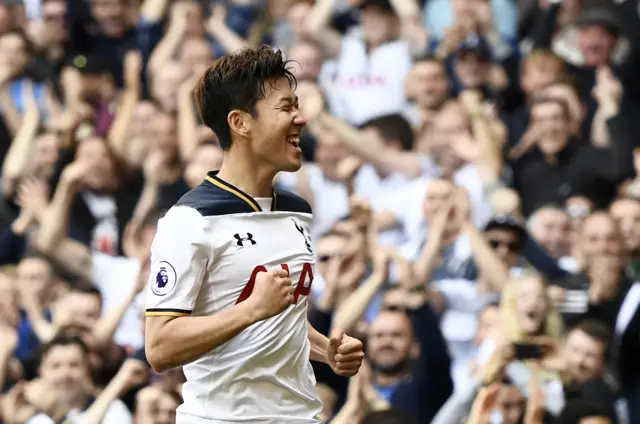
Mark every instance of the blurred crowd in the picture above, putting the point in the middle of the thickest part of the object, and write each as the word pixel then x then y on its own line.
pixel 472 168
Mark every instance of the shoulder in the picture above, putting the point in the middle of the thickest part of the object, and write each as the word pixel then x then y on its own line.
pixel 290 202
pixel 209 199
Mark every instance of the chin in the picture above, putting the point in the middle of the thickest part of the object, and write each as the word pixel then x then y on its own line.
pixel 291 167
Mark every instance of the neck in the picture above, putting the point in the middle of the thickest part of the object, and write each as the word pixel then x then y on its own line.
pixel 385 380
pixel 253 179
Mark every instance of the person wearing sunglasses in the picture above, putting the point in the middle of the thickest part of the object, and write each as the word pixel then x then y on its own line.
pixel 506 235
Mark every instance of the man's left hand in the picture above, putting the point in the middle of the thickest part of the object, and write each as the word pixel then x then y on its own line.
pixel 345 354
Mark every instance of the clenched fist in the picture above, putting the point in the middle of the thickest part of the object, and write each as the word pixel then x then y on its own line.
pixel 345 354
pixel 272 293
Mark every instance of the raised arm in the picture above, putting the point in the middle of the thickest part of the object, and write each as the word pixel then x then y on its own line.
pixel 316 26
pixel 218 29
pixel 187 121
pixel 355 305
pixel 168 46
pixel 173 337
pixel 17 157
pixel 372 150
pixel 119 131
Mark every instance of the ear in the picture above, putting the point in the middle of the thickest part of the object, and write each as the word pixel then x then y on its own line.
pixel 239 122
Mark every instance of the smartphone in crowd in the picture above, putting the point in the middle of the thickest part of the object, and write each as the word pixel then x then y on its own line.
pixel 525 351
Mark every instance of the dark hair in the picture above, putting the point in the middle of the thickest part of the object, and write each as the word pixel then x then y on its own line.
pixel 63 340
pixel 88 289
pixel 576 410
pixel 429 58
pixel 597 330
pixel 390 416
pixel 237 82
pixel 392 128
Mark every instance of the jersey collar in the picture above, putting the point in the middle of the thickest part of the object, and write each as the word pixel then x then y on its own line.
pixel 212 177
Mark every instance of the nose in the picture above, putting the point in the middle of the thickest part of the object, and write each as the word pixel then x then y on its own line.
pixel 299 119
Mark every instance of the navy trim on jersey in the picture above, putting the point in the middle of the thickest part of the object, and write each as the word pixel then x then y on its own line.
pixel 163 312
pixel 291 202
pixel 215 196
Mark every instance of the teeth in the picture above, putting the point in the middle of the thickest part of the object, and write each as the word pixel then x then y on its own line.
pixel 294 140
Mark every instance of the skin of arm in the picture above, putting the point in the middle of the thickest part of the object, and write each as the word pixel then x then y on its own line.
pixel 187 122
pixel 171 342
pixel 319 345
pixel 317 27
pixel 371 150
pixel 355 305
pixel 488 263
pixel 18 155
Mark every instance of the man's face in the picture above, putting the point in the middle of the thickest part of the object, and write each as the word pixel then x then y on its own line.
pixel 166 83
pixel 34 277
pixel 164 138
pixel 309 59
pixel 54 15
pixel 452 121
pixel 539 75
pixel 506 244
pixel 94 150
pixel 626 212
pixel 596 44
pixel 111 16
pixel 567 94
pixel 585 356
pixel 329 152
pixel 327 248
pixel 431 84
pixel 511 404
pixel 65 368
pixel 84 308
pixel 551 229
pixel 196 56
pixel 275 130
pixel 554 127
pixel 379 25
pixel 600 237
pixel 390 342
pixel 438 193
pixel 45 154
pixel 472 71
pixel 206 158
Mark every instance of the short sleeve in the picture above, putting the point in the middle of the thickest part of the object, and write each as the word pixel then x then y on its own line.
pixel 179 257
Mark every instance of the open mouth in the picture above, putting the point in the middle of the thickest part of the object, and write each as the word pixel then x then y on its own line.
pixel 294 140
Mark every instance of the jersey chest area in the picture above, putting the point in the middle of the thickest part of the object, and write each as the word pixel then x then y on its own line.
pixel 244 245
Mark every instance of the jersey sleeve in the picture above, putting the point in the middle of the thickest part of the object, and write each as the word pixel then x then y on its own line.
pixel 179 258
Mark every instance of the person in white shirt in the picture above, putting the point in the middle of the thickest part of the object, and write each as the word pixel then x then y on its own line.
pixel 232 262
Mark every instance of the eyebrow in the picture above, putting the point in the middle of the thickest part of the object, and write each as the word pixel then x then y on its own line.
pixel 289 99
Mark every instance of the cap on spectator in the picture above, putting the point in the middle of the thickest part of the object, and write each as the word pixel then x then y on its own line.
pixel 474 43
pixel 380 4
pixel 598 13
pixel 507 222
pixel 90 64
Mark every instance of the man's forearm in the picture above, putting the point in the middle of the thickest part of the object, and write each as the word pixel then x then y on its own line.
pixel 319 345
pixel 178 341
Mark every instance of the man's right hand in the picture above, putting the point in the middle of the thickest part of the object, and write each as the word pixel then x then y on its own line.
pixel 272 293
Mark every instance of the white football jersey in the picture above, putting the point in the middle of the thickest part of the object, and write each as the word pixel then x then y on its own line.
pixel 205 257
